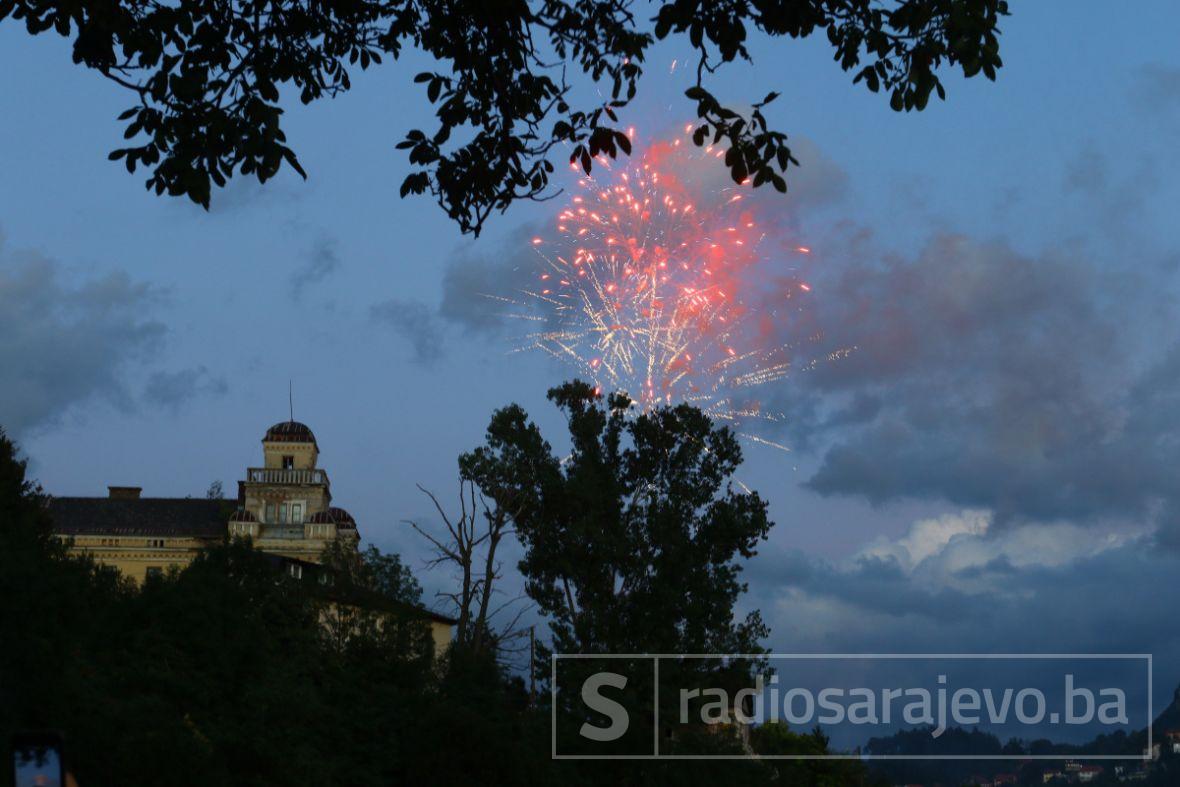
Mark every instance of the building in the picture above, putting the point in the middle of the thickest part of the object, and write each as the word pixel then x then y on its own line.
pixel 137 535
pixel 284 507
pixel 343 607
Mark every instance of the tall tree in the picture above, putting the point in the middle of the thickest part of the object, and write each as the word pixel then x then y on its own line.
pixel 25 521
pixel 372 600
pixel 469 547
pixel 52 609
pixel 372 570
pixel 206 77
pixel 632 542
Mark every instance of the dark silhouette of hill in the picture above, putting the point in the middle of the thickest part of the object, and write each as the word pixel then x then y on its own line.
pixel 1169 718
pixel 958 741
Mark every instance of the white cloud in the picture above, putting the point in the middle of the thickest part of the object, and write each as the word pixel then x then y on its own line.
pixel 962 550
pixel 928 537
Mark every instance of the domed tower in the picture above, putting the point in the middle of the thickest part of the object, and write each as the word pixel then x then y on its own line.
pixel 286 504
pixel 290 445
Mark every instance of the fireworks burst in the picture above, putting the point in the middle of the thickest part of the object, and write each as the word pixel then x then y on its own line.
pixel 668 288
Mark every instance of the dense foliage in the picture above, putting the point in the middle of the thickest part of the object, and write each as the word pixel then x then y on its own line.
pixel 518 83
pixel 224 673
pixel 633 540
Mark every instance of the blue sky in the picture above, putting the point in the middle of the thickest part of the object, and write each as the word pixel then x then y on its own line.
pixel 993 469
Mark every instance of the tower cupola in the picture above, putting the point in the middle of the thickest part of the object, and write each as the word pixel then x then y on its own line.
pixel 290 445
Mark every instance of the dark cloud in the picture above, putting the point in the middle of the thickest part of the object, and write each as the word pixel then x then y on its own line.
pixel 1040 385
pixel 990 378
pixel 818 182
pixel 483 295
pixel 482 289
pixel 1089 170
pixel 415 322
pixel 174 389
pixel 1157 88
pixel 67 342
pixel 322 261
pixel 984 593
pixel 1117 193
pixel 243 193
pixel 1035 587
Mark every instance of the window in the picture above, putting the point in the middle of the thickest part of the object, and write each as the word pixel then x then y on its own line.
pixel 295 570
pixel 270 512
pixel 288 463
pixel 282 513
pixel 154 572
pixel 297 513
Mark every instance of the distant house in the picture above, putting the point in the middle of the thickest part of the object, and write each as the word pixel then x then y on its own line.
pixel 1130 774
pixel 340 599
pixel 1088 773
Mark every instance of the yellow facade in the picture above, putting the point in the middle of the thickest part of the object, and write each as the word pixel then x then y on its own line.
pixel 135 556
pixel 336 618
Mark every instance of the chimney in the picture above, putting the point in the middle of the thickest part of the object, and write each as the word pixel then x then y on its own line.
pixel 125 492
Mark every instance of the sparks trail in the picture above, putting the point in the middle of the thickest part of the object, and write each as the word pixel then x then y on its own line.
pixel 666 289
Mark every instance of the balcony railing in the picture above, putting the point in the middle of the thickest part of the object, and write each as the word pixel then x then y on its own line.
pixel 281 531
pixel 280 475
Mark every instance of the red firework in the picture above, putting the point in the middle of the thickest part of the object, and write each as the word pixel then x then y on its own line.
pixel 659 284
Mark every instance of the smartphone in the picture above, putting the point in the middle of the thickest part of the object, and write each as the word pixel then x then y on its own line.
pixel 37 760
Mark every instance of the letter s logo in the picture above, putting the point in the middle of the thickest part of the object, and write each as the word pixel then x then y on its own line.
pixel 619 720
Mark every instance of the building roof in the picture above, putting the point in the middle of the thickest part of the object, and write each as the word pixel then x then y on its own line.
pixel 162 516
pixel 289 432
pixel 242 515
pixel 352 595
pixel 372 600
pixel 334 515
